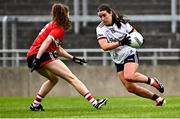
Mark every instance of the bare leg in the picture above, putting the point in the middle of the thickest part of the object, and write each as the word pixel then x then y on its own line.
pixel 49 84
pixel 129 77
pixel 59 68
pixel 134 88
pixel 44 90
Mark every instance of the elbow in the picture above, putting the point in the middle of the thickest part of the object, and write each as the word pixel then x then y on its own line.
pixel 105 48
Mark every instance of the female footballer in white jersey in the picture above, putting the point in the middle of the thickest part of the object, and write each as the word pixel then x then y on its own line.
pixel 112 36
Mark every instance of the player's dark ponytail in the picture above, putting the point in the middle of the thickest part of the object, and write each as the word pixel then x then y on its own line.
pixel 118 18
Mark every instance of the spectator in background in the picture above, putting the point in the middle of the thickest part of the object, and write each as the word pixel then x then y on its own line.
pixel 41 58
pixel 112 36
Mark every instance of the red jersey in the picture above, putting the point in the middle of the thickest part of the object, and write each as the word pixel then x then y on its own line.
pixel 53 30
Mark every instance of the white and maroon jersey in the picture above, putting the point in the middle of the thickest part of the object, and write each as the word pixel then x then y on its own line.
pixel 112 34
pixel 53 30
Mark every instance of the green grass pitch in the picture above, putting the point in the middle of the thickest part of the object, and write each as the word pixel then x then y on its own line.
pixel 78 107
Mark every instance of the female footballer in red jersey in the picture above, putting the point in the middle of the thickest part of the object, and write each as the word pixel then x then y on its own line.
pixel 112 36
pixel 41 58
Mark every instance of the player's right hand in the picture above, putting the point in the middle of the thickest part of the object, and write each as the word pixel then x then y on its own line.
pixel 125 41
pixel 79 60
pixel 36 64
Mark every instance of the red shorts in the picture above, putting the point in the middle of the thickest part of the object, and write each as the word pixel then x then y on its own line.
pixel 45 58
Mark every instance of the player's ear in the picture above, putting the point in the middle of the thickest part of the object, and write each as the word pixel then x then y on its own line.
pixel 111 13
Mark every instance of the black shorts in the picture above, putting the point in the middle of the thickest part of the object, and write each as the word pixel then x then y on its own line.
pixel 45 58
pixel 131 58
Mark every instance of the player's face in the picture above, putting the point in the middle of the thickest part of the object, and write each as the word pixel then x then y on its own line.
pixel 105 17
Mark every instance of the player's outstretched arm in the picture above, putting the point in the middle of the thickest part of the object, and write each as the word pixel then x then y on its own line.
pixel 62 52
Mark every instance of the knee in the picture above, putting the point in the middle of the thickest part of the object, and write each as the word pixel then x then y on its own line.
pixel 71 79
pixel 54 80
pixel 129 77
pixel 130 88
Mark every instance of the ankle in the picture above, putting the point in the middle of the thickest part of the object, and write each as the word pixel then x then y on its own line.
pixel 159 99
pixel 155 97
pixel 152 82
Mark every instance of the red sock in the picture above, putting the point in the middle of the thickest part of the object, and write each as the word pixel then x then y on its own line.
pixel 90 98
pixel 152 82
pixel 37 100
pixel 156 98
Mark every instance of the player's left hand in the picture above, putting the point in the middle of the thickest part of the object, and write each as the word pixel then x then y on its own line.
pixel 79 60
pixel 125 41
pixel 36 64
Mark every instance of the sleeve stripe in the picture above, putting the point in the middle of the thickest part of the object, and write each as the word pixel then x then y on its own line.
pixel 52 37
pixel 100 38
pixel 132 30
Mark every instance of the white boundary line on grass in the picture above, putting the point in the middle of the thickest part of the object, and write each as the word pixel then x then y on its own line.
pixel 90 118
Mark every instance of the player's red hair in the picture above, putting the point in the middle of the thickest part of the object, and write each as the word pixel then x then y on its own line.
pixel 60 15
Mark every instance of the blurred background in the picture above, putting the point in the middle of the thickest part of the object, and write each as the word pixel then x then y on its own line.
pixel 21 21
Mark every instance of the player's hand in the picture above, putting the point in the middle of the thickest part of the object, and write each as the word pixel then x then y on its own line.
pixel 125 40
pixel 79 60
pixel 36 64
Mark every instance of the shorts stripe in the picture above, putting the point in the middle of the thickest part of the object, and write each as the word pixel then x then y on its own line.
pixel 136 58
pixel 51 55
